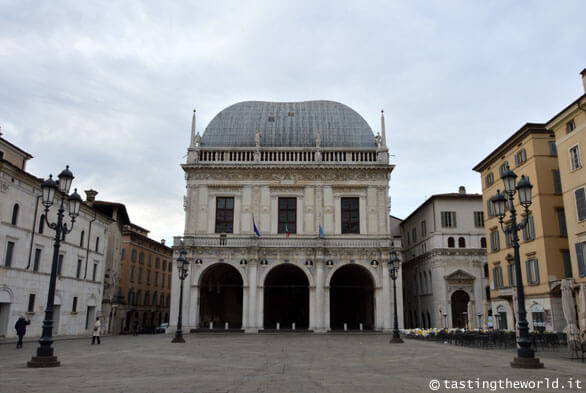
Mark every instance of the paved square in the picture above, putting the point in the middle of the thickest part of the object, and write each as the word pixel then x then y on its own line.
pixel 268 363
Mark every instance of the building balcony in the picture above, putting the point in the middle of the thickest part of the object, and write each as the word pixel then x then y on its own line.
pixel 239 241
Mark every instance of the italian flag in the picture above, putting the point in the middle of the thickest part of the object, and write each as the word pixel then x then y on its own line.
pixel 287 228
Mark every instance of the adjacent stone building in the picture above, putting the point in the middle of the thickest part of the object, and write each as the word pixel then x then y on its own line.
pixel 26 251
pixel 145 279
pixel 444 262
pixel 287 221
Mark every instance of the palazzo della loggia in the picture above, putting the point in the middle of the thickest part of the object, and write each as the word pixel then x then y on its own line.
pixel 287 221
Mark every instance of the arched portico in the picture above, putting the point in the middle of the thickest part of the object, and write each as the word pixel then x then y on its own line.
pixel 352 298
pixel 220 297
pixel 286 298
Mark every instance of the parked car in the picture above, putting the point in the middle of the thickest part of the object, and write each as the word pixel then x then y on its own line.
pixel 163 328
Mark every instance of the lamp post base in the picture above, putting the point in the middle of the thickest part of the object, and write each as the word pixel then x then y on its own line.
pixel 43 361
pixel 396 340
pixel 178 340
pixel 526 363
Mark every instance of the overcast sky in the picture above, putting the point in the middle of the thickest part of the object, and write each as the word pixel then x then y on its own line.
pixel 109 87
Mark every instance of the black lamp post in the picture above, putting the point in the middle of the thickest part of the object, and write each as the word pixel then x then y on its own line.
pixel 525 355
pixel 182 268
pixel 45 357
pixel 394 270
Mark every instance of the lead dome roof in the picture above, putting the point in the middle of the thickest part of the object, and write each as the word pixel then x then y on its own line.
pixel 295 124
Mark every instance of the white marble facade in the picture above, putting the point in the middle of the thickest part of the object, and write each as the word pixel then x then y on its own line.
pixel 276 277
pixel 25 269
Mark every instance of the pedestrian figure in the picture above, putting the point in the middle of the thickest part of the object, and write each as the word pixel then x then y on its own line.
pixel 96 333
pixel 135 328
pixel 20 327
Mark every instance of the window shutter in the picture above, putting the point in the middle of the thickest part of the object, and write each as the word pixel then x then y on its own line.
pixel 580 257
pixel 581 204
pixel 553 149
pixel 537 270
pixel 531 227
pixel 557 181
pixel 517 159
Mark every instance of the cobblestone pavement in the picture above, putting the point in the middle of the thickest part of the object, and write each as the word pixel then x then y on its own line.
pixel 272 363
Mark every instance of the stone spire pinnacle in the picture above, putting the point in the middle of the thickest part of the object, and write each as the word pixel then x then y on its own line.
pixel 192 142
pixel 382 126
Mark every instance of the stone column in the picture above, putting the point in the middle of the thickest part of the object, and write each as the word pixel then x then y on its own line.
pixel 252 290
pixel 319 296
pixel 387 296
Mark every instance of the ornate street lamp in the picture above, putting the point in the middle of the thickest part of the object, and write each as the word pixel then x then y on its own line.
pixel 394 270
pixel 45 357
pixel 525 355
pixel 182 268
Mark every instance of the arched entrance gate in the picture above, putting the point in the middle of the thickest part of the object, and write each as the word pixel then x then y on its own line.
pixel 286 298
pixel 221 297
pixel 351 298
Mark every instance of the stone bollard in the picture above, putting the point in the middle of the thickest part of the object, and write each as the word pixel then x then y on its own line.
pixel 226 326
pixel 211 325
pixel 278 326
pixel 345 327
pixel 361 327
pixel 293 326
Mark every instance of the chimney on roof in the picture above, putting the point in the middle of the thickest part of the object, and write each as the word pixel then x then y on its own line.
pixel 462 190
pixel 583 73
pixel 90 195
pixel 163 242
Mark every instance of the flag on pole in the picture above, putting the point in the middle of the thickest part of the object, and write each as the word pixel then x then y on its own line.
pixel 321 231
pixel 287 227
pixel 256 231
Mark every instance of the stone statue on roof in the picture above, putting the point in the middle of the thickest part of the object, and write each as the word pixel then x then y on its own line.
pixel 379 140
pixel 318 140
pixel 257 139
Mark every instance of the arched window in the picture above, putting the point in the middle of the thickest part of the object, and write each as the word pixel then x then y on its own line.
pixel 15 210
pixel 461 242
pixel 483 242
pixel 486 270
pixel 81 236
pixel 451 242
pixel 42 223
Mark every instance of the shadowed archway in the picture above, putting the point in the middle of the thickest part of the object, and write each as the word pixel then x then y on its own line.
pixel 459 309
pixel 351 298
pixel 220 294
pixel 286 298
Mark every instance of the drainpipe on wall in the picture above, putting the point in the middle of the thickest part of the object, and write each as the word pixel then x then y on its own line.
pixel 87 250
pixel 30 251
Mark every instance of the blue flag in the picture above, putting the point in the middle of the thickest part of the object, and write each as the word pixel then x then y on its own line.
pixel 321 231
pixel 255 228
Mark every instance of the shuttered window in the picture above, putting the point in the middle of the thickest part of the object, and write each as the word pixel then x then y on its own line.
pixel 580 204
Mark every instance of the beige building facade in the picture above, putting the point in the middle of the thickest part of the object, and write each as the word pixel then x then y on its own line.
pixel 531 151
pixel 569 127
pixel 287 221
